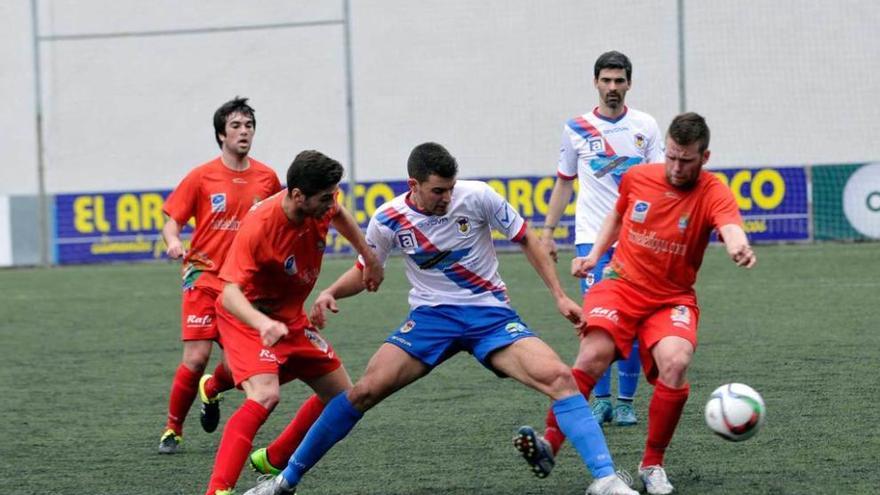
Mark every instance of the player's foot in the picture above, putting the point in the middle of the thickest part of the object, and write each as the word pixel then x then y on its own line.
pixel 603 411
pixel 655 480
pixel 272 485
pixel 210 414
pixel 535 450
pixel 170 442
pixel 260 462
pixel 625 414
pixel 613 484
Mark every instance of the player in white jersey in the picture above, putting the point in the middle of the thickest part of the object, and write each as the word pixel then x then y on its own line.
pixel 597 149
pixel 458 303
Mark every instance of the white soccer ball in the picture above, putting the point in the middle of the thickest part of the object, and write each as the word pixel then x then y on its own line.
pixel 735 412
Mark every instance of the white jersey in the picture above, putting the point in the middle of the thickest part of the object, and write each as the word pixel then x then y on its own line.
pixel 450 259
pixel 598 151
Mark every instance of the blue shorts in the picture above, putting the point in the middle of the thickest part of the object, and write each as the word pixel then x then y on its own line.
pixel 433 334
pixel 594 275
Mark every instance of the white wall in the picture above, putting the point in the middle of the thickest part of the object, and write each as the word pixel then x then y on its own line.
pixel 787 82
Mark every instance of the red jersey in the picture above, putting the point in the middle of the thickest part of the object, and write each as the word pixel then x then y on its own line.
pixel 218 197
pixel 275 262
pixel 665 230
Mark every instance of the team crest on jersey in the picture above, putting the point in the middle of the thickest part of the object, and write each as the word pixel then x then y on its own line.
pixel 218 203
pixel 683 223
pixel 317 340
pixel 596 144
pixel 464 225
pixel 290 265
pixel 406 327
pixel 680 316
pixel 640 141
pixel 407 239
pixel 640 211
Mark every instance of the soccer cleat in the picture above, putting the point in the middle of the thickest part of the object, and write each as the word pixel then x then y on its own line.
pixel 655 480
pixel 272 485
pixel 602 411
pixel 225 492
pixel 260 462
pixel 210 413
pixel 170 442
pixel 625 414
pixel 535 450
pixel 613 484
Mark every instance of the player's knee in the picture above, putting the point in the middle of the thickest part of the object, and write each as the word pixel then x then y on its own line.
pixel 363 396
pixel 558 382
pixel 196 362
pixel 266 398
pixel 673 369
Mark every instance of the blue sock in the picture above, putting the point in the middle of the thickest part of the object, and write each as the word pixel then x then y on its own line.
pixel 602 390
pixel 577 422
pixel 628 374
pixel 337 419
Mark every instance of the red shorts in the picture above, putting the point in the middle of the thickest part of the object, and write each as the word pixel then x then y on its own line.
pixel 198 318
pixel 627 313
pixel 302 354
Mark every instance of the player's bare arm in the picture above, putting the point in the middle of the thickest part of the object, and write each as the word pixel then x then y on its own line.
pixel 540 260
pixel 373 272
pixel 558 200
pixel 171 235
pixel 234 300
pixel 737 245
pixel 348 284
pixel 609 232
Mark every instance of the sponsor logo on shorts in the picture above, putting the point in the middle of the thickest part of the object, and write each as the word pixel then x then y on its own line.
pixel 401 340
pixel 218 202
pixel 199 321
pixel 268 356
pixel 290 265
pixel 640 211
pixel 515 327
pixel 609 314
pixel 680 316
pixel 406 327
pixel 317 340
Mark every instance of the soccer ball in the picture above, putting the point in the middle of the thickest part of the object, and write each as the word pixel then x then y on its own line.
pixel 735 412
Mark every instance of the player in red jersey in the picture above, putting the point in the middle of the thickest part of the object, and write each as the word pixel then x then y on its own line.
pixel 217 195
pixel 271 268
pixel 662 222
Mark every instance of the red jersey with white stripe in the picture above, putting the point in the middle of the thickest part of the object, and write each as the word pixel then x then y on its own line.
pixel 450 259
pixel 218 198
pixel 665 230
pixel 276 262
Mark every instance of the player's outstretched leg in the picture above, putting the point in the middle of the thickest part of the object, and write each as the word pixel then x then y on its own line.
pixel 287 442
pixel 535 450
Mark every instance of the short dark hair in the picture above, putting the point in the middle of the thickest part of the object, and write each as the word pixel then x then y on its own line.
pixel 689 128
pixel 613 60
pixel 429 159
pixel 312 172
pixel 235 105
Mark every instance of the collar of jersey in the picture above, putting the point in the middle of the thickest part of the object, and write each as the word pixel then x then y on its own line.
pixel 613 121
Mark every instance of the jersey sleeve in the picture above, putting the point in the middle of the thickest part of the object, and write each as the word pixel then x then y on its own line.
pixel 501 215
pixel 243 258
pixel 568 157
pixel 656 150
pixel 181 203
pixel 380 239
pixel 722 207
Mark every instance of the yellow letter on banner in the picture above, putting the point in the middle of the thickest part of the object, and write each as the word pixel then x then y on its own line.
pixel 151 211
pixel 775 198
pixel 127 213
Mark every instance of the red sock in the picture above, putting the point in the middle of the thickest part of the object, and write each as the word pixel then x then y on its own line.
pixel 280 450
pixel 552 433
pixel 238 436
pixel 664 411
pixel 221 381
pixel 183 391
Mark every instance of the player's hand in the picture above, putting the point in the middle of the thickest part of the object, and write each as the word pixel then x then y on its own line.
pixel 744 256
pixel 581 266
pixel 175 249
pixel 570 310
pixel 271 331
pixel 549 244
pixel 324 302
pixel 373 275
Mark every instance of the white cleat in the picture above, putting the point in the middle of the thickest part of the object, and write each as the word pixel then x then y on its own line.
pixel 271 485
pixel 610 485
pixel 655 480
